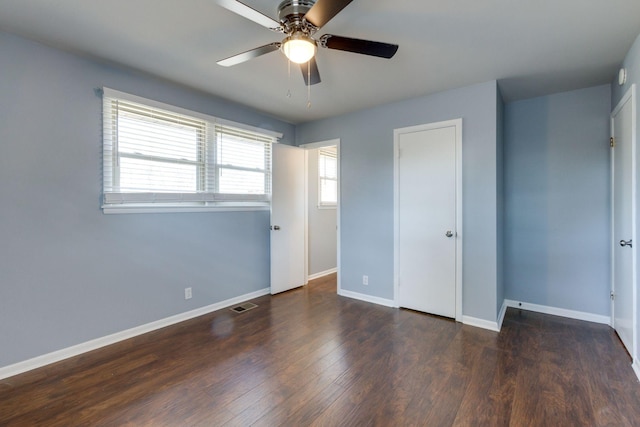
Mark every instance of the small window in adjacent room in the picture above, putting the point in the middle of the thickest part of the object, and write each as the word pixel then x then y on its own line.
pixel 160 158
pixel 328 177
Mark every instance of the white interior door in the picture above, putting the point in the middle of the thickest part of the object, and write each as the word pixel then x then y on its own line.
pixel 623 219
pixel 287 218
pixel 426 228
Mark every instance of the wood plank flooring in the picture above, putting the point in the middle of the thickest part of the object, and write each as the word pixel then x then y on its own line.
pixel 311 358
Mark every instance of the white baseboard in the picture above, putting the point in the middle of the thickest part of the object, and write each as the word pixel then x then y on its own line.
pixel 467 320
pixel 503 311
pixel 367 298
pixel 636 368
pixel 487 324
pixel 56 356
pixel 480 323
pixel 563 312
pixel 322 274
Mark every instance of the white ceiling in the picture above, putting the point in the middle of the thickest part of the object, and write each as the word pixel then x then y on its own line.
pixel 532 47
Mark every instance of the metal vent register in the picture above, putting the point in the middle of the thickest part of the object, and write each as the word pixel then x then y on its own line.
pixel 244 307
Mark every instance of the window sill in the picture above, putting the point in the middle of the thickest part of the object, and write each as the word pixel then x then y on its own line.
pixel 327 207
pixel 186 208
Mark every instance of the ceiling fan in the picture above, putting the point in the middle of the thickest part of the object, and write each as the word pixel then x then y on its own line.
pixel 299 20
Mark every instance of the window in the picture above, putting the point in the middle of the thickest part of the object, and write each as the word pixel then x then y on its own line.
pixel 328 176
pixel 158 157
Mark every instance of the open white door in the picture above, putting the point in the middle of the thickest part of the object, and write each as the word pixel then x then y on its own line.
pixel 623 229
pixel 287 218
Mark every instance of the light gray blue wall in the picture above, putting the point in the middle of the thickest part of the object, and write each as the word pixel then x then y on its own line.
pixel 558 200
pixel 366 155
pixel 69 273
pixel 323 236
pixel 500 291
pixel 632 64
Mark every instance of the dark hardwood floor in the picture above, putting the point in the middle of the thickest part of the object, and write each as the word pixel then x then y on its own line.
pixel 310 357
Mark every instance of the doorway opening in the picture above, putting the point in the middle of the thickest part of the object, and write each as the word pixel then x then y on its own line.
pixel 322 237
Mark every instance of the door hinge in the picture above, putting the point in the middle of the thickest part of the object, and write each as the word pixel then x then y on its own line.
pixel 612 295
pixel 612 142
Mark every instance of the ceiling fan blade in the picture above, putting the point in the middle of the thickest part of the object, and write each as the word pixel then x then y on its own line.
pixel 365 47
pixel 315 74
pixel 250 54
pixel 250 13
pixel 322 12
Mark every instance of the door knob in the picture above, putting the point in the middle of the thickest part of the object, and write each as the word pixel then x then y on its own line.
pixel 626 243
pixel 449 233
pixel 275 227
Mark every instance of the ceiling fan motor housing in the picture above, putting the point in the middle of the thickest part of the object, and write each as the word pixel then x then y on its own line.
pixel 291 14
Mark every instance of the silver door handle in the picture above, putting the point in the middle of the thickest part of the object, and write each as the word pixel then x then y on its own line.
pixel 275 227
pixel 626 243
pixel 449 233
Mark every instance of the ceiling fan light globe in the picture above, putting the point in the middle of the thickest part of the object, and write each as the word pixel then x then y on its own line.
pixel 299 49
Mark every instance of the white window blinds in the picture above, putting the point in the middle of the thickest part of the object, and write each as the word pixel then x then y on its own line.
pixel 243 162
pixel 157 156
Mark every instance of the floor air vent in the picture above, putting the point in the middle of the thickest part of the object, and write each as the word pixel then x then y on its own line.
pixel 244 307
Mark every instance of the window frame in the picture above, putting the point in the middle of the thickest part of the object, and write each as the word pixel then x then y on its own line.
pixel 321 203
pixel 203 199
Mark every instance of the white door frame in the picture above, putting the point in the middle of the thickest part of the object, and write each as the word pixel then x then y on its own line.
pixel 630 95
pixel 313 146
pixel 457 123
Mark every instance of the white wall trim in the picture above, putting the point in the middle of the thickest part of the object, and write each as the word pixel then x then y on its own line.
pixel 167 208
pixel 367 298
pixel 634 215
pixel 65 353
pixel 320 144
pixel 503 311
pixel 563 312
pixel 487 324
pixel 629 96
pixel 338 220
pixel 481 323
pixel 636 368
pixel 306 216
pixel 322 274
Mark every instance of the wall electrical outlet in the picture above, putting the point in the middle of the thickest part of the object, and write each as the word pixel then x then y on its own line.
pixel 365 280
pixel 187 293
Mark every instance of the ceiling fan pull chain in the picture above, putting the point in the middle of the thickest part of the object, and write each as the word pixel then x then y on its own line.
pixel 309 86
pixel 289 81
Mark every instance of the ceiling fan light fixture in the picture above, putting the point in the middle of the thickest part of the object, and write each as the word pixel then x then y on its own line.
pixel 299 47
